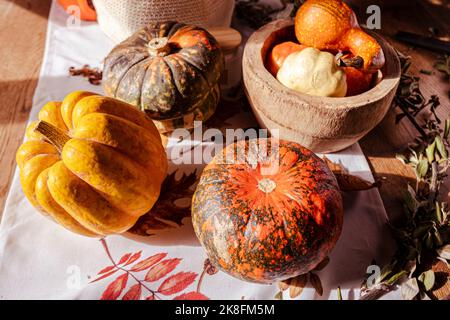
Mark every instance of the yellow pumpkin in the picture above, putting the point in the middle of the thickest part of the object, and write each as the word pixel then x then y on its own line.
pixel 94 164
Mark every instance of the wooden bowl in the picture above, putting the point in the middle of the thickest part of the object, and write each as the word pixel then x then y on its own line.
pixel 322 124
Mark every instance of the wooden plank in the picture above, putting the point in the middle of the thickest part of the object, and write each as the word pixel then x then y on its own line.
pixel 23 26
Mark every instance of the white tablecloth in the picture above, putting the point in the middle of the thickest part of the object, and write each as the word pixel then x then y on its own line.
pixel 40 260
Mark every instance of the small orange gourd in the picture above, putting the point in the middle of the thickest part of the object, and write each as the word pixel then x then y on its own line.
pixel 332 25
pixel 357 81
pixel 91 163
pixel 279 54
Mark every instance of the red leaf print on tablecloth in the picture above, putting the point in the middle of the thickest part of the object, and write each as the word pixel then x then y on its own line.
pixel 176 283
pixel 105 270
pixel 134 293
pixel 161 269
pixel 134 257
pixel 157 269
pixel 124 258
pixel 115 288
pixel 148 262
pixel 105 275
pixel 194 295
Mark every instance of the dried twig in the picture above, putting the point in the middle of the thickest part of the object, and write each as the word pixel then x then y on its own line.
pixel 94 75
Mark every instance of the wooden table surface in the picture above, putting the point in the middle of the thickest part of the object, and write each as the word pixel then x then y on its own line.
pixel 23 26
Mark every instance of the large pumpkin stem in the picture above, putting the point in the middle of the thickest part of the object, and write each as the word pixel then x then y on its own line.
pixel 267 185
pixel 55 136
pixel 159 47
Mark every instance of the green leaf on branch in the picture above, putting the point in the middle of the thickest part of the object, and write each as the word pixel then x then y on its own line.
pixel 396 277
pixel 430 150
pixel 427 278
pixel 441 147
pixel 446 128
pixel 422 169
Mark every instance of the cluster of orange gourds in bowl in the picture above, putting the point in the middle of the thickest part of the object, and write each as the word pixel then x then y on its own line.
pixel 326 31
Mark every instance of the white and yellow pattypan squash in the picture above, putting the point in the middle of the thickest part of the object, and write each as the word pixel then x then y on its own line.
pixel 313 72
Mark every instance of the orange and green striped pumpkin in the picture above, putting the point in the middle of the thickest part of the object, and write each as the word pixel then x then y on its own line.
pixel 270 219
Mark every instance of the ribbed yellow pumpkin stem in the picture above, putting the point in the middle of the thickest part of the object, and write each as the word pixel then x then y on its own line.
pixel 55 136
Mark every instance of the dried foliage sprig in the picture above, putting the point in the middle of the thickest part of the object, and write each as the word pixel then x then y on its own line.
pixel 442 64
pixel 167 212
pixel 298 283
pixel 424 234
pixel 94 75
pixel 256 14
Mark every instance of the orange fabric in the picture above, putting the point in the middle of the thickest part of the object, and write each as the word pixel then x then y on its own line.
pixel 87 12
